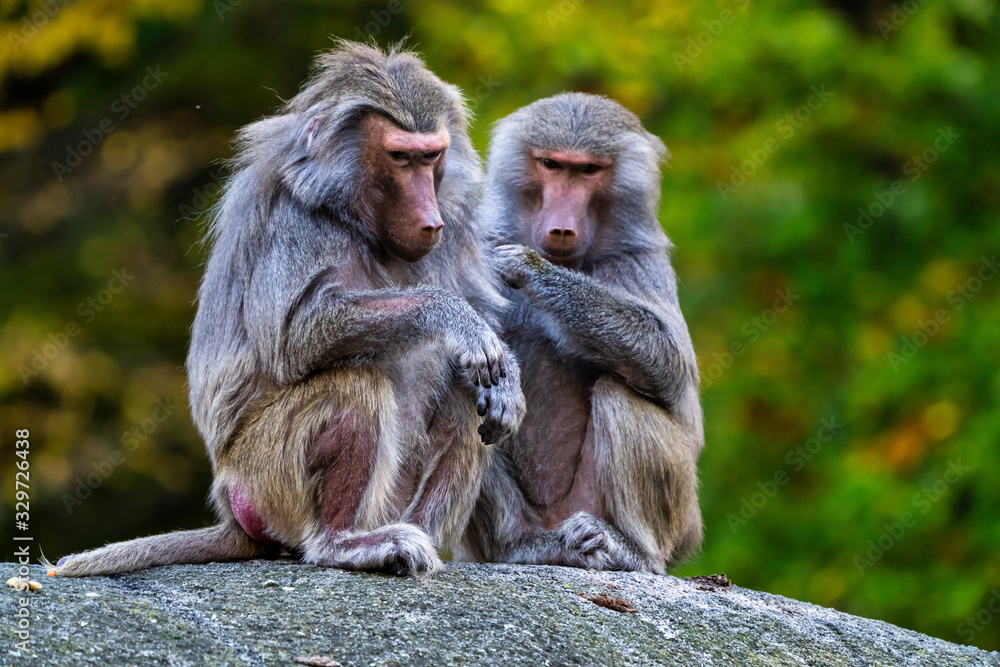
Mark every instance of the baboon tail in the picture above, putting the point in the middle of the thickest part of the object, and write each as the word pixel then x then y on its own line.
pixel 222 542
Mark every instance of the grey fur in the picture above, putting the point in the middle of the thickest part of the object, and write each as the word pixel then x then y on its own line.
pixel 302 317
pixel 605 354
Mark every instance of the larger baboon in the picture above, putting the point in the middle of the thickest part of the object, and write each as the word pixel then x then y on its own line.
pixel 602 472
pixel 336 364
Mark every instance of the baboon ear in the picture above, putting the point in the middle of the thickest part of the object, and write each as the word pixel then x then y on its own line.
pixel 660 149
pixel 316 125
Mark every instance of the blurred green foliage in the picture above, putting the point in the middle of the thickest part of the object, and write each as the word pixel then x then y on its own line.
pixel 833 195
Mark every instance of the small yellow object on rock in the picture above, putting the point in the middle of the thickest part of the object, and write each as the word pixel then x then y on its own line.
pixel 20 583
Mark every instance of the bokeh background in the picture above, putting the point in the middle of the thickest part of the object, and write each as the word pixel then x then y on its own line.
pixel 833 197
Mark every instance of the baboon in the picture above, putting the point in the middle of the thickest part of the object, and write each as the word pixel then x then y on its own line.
pixel 602 473
pixel 343 342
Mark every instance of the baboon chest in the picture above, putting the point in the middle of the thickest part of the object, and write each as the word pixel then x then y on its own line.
pixel 549 444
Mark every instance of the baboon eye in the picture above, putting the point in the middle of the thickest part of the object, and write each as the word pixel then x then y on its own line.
pixel 590 168
pixel 432 155
pixel 399 155
pixel 549 163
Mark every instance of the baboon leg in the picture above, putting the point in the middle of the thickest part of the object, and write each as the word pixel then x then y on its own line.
pixel 451 483
pixel 643 468
pixel 647 471
pixel 398 548
pixel 355 450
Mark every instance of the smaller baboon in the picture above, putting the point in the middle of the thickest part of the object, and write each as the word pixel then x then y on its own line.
pixel 344 337
pixel 602 472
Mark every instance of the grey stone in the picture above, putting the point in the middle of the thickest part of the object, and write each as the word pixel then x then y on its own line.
pixel 230 614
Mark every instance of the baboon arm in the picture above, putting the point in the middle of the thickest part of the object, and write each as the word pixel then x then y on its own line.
pixel 603 319
pixel 332 324
pixel 303 312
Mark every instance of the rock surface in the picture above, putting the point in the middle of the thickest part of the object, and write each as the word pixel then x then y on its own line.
pixel 273 612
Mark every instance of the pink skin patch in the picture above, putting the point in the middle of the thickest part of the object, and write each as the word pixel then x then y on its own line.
pixel 397 304
pixel 576 158
pixel 248 517
pixel 396 139
pixel 345 449
pixel 564 225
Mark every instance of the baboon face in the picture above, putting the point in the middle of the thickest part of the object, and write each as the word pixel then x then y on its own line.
pixel 405 169
pixel 566 201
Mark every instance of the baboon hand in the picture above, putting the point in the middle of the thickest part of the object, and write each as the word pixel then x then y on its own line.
pixel 593 543
pixel 482 356
pixel 516 263
pixel 502 408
